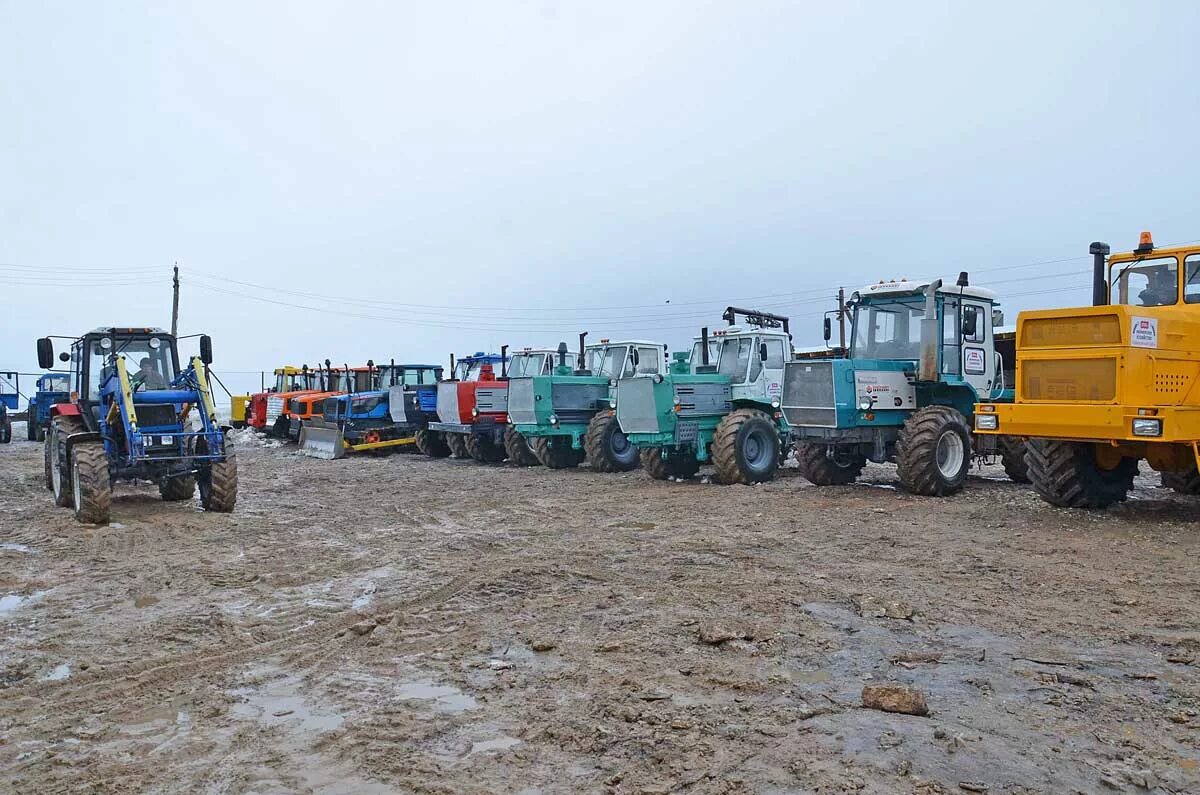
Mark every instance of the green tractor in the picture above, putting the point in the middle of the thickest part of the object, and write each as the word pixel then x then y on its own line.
pixel 568 415
pixel 720 405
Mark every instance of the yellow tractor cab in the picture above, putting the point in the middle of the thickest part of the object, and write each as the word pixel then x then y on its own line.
pixel 1100 388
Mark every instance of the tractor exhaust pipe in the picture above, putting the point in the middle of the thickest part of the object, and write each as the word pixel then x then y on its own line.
pixel 562 354
pixel 392 369
pixel 1099 280
pixel 503 362
pixel 579 361
pixel 704 346
pixel 453 376
pixel 349 378
pixel 930 334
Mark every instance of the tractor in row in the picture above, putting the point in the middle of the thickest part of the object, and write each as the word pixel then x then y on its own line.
pixel 156 422
pixel 52 388
pixel 10 399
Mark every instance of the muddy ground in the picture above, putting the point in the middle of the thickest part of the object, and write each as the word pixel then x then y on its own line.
pixel 406 625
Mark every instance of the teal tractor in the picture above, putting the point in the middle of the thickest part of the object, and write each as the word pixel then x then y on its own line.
pixel 718 405
pixel 567 415
pixel 921 354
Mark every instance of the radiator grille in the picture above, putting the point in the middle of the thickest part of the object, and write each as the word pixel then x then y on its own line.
pixel 809 396
pixel 521 401
pixel 1083 380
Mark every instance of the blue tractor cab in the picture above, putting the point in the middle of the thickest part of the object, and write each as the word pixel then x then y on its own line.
pixel 52 388
pixel 10 395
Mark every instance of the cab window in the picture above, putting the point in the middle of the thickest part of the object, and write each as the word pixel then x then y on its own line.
pixel 648 360
pixel 1152 282
pixel 975 311
pixel 1191 279
pixel 735 358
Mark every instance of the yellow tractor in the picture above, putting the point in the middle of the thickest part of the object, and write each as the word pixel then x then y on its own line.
pixel 1102 387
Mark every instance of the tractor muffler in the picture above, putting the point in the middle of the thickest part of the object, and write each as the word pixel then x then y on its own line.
pixel 319 439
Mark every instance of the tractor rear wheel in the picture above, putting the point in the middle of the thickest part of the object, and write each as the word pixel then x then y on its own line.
pixel 91 486
pixel 674 464
pixel 1186 482
pixel 745 447
pixel 218 481
pixel 607 448
pixel 518 449
pixel 457 443
pixel 1070 475
pixel 5 429
pixel 483 449
pixel 31 427
pixel 432 443
pixel 933 453
pixel 60 467
pixel 556 452
pixel 1012 456
pixel 48 460
pixel 177 489
pixel 822 465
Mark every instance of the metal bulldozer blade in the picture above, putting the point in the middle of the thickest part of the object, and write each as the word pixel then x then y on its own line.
pixel 322 440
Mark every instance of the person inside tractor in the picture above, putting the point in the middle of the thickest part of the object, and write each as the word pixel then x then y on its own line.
pixel 147 376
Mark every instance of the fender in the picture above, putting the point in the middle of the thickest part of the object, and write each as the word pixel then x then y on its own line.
pixel 83 436
pixel 64 410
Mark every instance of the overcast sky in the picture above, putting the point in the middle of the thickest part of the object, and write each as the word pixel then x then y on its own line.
pixel 403 180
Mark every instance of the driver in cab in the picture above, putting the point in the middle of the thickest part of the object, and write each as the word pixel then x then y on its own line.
pixel 147 377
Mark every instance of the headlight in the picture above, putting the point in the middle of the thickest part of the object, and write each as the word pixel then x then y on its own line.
pixel 474 411
pixel 612 404
pixel 865 405
pixel 612 382
pixel 154 343
pixel 677 401
pixel 553 419
pixel 1143 427
pixel 416 401
pixel 987 422
pixel 657 378
pixel 774 404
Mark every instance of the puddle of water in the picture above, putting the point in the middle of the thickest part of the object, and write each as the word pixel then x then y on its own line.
pixel 278 710
pixel 12 601
pixel 444 697
pixel 810 677
pixel 59 673
pixel 17 548
pixel 361 601
pixel 501 743
pixel 145 601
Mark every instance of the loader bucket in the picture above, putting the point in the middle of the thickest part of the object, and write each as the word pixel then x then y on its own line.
pixel 322 440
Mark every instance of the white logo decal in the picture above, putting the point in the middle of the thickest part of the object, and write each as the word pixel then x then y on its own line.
pixel 1144 333
pixel 974 362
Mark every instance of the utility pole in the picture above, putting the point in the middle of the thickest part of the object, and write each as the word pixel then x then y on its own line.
pixel 175 304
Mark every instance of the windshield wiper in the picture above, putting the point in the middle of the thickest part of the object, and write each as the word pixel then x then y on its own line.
pixel 1122 273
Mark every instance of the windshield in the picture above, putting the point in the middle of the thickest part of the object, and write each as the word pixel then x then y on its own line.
pixel 148 361
pixel 607 362
pixel 1151 282
pixel 56 383
pixel 888 331
pixel 734 357
pixel 526 364
pixel 697 360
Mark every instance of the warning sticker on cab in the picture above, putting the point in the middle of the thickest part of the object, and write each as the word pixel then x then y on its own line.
pixel 1144 333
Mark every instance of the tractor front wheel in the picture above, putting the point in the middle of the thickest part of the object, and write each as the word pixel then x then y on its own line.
pixel 517 448
pixel 5 429
pixel 745 447
pixel 1072 475
pixel 933 453
pixel 608 450
pixel 91 486
pixel 177 489
pixel 1012 456
pixel 1186 482
pixel 48 460
pixel 431 443
pixel 457 444
pixel 31 427
pixel 218 481
pixel 828 466
pixel 674 464
pixel 483 449
pixel 60 467
pixel 556 452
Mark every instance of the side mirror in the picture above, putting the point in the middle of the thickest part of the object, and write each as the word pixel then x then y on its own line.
pixel 634 357
pixel 206 349
pixel 45 351
pixel 828 329
pixel 762 351
pixel 970 323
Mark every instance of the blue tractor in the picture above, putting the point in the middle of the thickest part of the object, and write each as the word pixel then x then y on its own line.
pixel 154 421
pixel 921 355
pixel 10 395
pixel 52 388
pixel 375 420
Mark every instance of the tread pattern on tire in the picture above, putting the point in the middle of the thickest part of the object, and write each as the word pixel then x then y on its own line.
pixel 63 427
pixel 1066 474
pixel 517 448
pixel 553 454
pixel 819 469
pixel 483 450
pixel 90 465
pixel 177 489
pixel 1012 456
pixel 672 465
pixel 916 451
pixel 221 494
pixel 725 448
pixel 596 448
pixel 1183 482
pixel 457 445
pixel 431 443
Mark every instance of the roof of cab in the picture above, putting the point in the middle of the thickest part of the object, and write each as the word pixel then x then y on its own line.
pixel 905 287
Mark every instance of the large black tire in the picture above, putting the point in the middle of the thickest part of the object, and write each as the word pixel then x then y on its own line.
pixel 745 447
pixel 1067 474
pixel 5 430
pixel 556 452
pixel 219 482
pixel 432 443
pixel 933 453
pixel 456 443
pixel 60 470
pixel 31 426
pixel 1012 456
pixel 483 449
pixel 281 429
pixel 606 447
pixel 517 448
pixel 823 465
pixel 1187 482
pixel 91 486
pixel 177 489
pixel 672 465
pixel 48 460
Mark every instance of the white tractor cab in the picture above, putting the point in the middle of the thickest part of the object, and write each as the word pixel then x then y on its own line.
pixel 920 355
